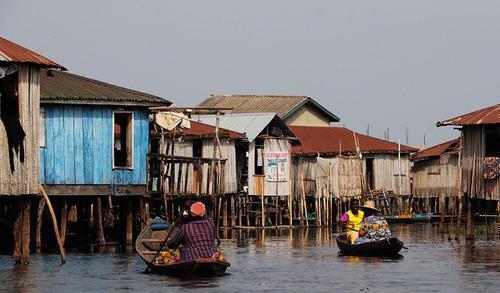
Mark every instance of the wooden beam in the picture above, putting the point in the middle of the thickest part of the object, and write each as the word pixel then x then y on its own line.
pixel 96 190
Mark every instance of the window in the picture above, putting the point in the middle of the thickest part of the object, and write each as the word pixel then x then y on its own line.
pixel 492 147
pixel 259 157
pixel 123 139
pixel 42 127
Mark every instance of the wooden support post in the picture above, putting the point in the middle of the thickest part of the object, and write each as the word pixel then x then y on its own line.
pixel 129 223
pixel 64 220
pixel 469 232
pixel 232 206
pixel 142 214
pixel 225 223
pixel 39 222
pixel 442 211
pixel 54 223
pixel 22 231
pixel 101 240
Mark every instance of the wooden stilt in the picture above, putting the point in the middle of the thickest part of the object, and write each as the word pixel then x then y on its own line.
pixel 39 222
pixel 54 223
pixel 64 220
pixel 129 223
pixel 225 223
pixel 22 231
pixel 442 211
pixel 232 207
pixel 101 240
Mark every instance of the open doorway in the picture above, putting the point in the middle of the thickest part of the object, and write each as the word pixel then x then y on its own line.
pixel 369 174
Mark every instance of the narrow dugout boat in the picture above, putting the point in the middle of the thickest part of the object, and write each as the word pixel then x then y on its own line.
pixel 148 242
pixel 406 218
pixel 386 247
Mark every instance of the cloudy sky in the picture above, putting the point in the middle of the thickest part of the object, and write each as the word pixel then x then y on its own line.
pixel 388 63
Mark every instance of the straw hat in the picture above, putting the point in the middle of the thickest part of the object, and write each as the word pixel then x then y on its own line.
pixel 197 209
pixel 369 205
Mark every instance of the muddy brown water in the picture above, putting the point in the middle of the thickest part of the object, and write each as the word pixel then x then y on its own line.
pixel 296 260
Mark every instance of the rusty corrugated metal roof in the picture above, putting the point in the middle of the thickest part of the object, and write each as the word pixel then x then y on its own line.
pixel 68 88
pixel 449 147
pixel 326 141
pixel 199 129
pixel 489 115
pixel 12 52
pixel 284 106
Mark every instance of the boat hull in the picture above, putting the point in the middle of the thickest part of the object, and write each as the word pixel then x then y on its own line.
pixel 387 247
pixel 149 241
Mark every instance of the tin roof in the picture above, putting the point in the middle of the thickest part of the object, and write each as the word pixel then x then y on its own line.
pixel 12 52
pixel 68 88
pixel 326 141
pixel 449 147
pixel 284 106
pixel 199 129
pixel 489 115
pixel 251 124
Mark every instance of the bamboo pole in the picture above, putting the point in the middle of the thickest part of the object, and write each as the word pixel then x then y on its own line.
pixel 304 200
pixel 54 223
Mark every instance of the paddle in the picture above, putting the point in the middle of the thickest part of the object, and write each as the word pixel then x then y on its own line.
pixel 164 242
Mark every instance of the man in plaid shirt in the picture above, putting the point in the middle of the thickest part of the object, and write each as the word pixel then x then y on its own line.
pixel 196 236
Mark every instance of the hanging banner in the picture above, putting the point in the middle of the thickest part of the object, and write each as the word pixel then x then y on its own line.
pixel 276 166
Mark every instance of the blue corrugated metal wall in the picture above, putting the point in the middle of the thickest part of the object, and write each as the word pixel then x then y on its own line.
pixel 79 146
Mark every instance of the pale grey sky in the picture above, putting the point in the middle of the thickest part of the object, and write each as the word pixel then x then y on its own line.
pixel 388 63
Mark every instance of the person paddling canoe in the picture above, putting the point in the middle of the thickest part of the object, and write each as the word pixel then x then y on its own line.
pixel 196 237
pixel 352 221
pixel 374 226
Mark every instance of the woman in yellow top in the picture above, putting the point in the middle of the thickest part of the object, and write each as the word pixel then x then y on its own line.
pixel 352 221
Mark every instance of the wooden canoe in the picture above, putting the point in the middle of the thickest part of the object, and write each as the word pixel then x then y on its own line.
pixel 405 218
pixel 148 242
pixel 386 247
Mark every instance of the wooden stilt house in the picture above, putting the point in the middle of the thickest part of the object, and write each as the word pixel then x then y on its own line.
pixel 19 143
pixel 434 176
pixel 480 157
pixel 93 145
pixel 263 164
pixel 340 163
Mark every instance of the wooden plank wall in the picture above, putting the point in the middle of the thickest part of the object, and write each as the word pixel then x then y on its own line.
pixel 25 178
pixel 473 153
pixel 79 146
pixel 385 168
pixel 434 177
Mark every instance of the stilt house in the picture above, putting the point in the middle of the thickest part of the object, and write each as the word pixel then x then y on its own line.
pixel 480 156
pixel 19 143
pixel 93 144
pixel 434 175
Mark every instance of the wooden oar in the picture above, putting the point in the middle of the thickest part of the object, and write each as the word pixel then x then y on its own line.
pixel 164 242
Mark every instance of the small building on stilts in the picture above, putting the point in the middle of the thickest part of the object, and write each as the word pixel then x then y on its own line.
pixel 480 162
pixel 93 143
pixel 263 166
pixel 334 164
pixel 19 144
pixel 434 178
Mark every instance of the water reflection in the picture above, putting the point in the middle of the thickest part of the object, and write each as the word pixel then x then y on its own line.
pixel 293 260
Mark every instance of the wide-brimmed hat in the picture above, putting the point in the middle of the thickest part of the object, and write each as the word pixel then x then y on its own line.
pixel 197 209
pixel 369 205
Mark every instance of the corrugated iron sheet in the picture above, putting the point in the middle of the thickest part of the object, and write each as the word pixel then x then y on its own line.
pixel 327 140
pixel 205 130
pixel 12 52
pixel 489 115
pixel 67 88
pixel 251 124
pixel 449 147
pixel 280 105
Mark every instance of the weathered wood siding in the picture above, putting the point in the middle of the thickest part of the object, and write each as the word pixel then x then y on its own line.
pixel 473 153
pixel 435 177
pixel 79 147
pixel 385 169
pixel 25 178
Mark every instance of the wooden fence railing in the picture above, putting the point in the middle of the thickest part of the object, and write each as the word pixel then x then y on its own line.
pixel 184 176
